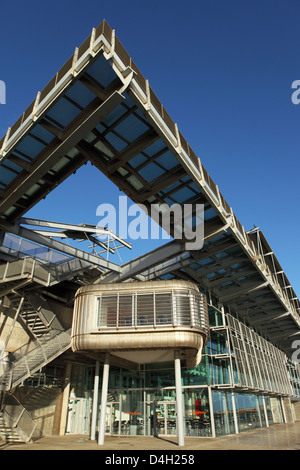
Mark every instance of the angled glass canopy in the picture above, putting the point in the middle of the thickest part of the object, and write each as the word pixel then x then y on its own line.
pixel 99 108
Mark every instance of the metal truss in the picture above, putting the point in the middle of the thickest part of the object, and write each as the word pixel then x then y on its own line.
pixel 47 233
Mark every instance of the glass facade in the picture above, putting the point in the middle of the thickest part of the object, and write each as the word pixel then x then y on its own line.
pixel 236 387
pixel 144 403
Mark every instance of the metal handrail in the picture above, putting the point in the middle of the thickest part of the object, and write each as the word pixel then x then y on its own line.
pixel 18 417
pixel 21 358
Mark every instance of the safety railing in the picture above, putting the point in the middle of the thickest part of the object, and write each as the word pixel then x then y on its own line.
pixel 18 418
pixel 20 248
pixel 23 362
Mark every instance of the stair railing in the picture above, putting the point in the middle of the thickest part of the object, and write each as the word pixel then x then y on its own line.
pixel 31 357
pixel 18 418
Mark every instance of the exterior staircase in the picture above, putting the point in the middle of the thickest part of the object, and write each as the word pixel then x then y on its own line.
pixel 20 278
pixel 16 424
pixel 25 362
pixel 37 315
pixel 7 433
pixel 19 273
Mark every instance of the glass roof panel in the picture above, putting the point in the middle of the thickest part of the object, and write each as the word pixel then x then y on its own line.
pixel 116 142
pixel 131 104
pixel 63 112
pixel 100 128
pixel 183 195
pixel 30 147
pixel 100 146
pixel 12 165
pixel 171 187
pixel 167 160
pixel 6 175
pixel 151 172
pixel 223 254
pixel 210 213
pixel 137 160
pixel 112 117
pixel 135 182
pixel 41 133
pixel 80 94
pixel 101 71
pixel 154 148
pixel 131 128
pixel 205 261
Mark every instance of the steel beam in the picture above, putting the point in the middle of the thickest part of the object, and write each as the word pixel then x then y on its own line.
pixel 144 262
pixel 242 290
pixel 89 120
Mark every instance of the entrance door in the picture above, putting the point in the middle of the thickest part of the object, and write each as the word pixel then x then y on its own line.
pixel 166 418
pixel 112 421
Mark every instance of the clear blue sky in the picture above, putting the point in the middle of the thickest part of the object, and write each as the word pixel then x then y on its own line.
pixel 223 70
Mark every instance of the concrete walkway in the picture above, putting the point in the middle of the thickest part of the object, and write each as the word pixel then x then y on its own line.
pixel 278 437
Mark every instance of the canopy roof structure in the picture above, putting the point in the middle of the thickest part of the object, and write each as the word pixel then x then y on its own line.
pixel 99 108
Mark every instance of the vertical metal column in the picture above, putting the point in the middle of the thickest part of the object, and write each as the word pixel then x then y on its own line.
pixel 236 425
pixel 180 428
pixel 95 401
pixel 211 412
pixel 265 411
pixel 103 400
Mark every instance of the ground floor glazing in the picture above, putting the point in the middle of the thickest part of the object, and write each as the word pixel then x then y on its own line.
pixel 143 403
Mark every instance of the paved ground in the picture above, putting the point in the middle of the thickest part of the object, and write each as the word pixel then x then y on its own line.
pixel 278 437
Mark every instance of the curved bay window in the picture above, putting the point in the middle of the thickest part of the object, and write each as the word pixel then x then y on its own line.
pixel 178 307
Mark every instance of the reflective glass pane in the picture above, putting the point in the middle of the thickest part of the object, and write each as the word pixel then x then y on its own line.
pixel 107 306
pixel 125 310
pixel 163 308
pixel 197 414
pixel 223 412
pixel 248 411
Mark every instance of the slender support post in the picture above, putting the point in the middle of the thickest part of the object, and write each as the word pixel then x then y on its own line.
pixel 180 428
pixel 103 400
pixel 95 401
pixel 236 425
pixel 265 411
pixel 155 419
pixel 211 412
pixel 14 322
pixel 65 400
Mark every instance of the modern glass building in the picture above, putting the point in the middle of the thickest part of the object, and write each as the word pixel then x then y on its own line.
pixel 238 362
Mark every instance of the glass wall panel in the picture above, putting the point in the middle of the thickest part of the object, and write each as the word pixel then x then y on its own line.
pixel 160 376
pixel 216 343
pixel 132 413
pixel 182 302
pixel 132 379
pixel 269 410
pixel 125 310
pixel 107 310
pixel 223 412
pixel 114 377
pixel 198 375
pixel 163 308
pixel 262 411
pixel 197 414
pixel 248 412
pixel 215 317
pixel 220 369
pixel 144 309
